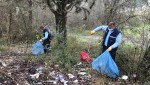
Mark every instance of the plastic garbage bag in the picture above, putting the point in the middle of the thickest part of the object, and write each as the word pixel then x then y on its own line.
pixel 37 49
pixel 105 65
pixel 84 57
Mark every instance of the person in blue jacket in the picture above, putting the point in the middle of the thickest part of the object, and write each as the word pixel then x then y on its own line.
pixel 111 38
pixel 46 39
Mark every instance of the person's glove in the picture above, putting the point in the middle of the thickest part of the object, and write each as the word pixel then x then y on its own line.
pixel 40 40
pixel 109 49
pixel 92 32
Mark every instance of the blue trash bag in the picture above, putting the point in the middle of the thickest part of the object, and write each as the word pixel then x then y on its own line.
pixel 105 65
pixel 37 49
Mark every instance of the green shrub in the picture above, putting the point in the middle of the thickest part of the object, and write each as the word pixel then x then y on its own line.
pixel 70 55
pixel 3 48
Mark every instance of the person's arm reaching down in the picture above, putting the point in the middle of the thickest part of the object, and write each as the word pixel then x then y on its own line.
pixel 46 36
pixel 118 41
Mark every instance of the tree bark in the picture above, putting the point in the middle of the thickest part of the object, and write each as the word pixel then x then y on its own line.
pixel 61 30
pixel 60 19
pixel 9 26
pixel 30 12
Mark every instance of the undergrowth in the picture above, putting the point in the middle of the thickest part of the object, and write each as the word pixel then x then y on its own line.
pixel 127 59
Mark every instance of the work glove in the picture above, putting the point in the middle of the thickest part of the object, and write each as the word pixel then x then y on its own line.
pixel 109 49
pixel 40 40
pixel 92 32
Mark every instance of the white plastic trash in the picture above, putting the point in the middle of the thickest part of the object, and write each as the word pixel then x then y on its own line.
pixel 35 76
pixel 75 81
pixel 82 73
pixel 71 76
pixel 124 77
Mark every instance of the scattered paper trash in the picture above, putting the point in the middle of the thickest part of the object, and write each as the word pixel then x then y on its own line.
pixel 124 77
pixel 17 67
pixel 89 76
pixel 65 82
pixel 40 69
pixel 61 79
pixel 39 83
pixel 26 83
pixel 35 76
pixel 79 63
pixel 52 73
pixel 19 52
pixel 134 75
pixel 3 64
pixel 52 81
pixel 82 73
pixel 82 69
pixel 75 81
pixel 70 76
pixel 56 66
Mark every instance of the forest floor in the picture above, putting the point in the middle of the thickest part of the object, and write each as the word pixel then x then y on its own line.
pixel 16 70
pixel 19 67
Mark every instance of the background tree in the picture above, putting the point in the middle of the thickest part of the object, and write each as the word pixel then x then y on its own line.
pixel 114 10
pixel 61 8
pixel 30 12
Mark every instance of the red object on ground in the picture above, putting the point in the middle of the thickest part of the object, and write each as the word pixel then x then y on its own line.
pixel 84 57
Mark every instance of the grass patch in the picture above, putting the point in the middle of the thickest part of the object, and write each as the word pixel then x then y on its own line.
pixel 71 55
pixel 41 58
pixel 3 48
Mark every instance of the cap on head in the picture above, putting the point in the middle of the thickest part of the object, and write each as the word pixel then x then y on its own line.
pixel 112 23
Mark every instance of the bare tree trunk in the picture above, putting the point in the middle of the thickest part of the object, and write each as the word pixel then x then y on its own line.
pixel 61 19
pixel 9 26
pixel 60 8
pixel 1 32
pixel 61 28
pixel 30 13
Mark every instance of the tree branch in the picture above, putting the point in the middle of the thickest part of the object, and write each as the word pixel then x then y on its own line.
pixel 126 19
pixel 70 7
pixel 50 6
